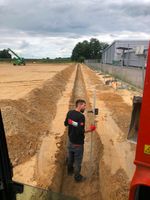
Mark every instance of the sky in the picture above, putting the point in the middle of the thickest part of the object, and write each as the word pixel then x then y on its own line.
pixel 51 28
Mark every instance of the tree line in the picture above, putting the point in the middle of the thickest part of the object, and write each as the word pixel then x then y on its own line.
pixel 83 50
pixel 88 50
pixel 5 54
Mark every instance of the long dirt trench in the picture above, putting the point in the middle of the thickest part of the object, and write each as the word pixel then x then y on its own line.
pixel 47 168
pixel 106 167
pixel 109 169
pixel 51 147
pixel 90 167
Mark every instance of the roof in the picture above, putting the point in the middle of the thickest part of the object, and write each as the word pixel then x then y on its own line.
pixel 126 41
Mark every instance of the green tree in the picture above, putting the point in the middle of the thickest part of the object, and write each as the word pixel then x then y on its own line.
pixel 88 50
pixel 5 54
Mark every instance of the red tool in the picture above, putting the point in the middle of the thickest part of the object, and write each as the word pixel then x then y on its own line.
pixel 140 185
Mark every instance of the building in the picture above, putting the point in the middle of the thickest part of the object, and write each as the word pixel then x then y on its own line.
pixel 126 53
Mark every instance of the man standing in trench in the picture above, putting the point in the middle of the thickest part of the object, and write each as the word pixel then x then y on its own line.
pixel 75 120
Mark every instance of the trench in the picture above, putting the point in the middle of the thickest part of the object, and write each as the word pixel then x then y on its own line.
pixel 89 189
pixel 52 144
pixel 51 165
pixel 63 186
pixel 54 156
pixel 47 143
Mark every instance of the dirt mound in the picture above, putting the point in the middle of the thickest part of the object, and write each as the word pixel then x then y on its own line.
pixel 28 120
pixel 116 186
pixel 116 161
pixel 121 112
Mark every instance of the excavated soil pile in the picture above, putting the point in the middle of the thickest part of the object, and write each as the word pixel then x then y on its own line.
pixel 116 162
pixel 121 112
pixel 27 120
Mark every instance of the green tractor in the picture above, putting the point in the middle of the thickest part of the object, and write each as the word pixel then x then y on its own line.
pixel 17 60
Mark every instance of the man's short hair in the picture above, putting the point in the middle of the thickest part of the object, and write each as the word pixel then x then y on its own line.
pixel 80 101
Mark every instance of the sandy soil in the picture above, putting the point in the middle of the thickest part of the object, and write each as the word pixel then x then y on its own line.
pixel 34 101
pixel 90 188
pixel 27 120
pixel 116 164
pixel 44 169
pixel 17 81
pixel 52 154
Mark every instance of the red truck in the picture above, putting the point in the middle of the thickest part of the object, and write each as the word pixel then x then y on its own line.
pixel 140 184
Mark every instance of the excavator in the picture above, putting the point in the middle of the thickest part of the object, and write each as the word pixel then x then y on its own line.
pixel 139 132
pixel 17 60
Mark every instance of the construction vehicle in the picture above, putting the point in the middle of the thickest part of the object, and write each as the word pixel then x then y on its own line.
pixel 140 132
pixel 17 60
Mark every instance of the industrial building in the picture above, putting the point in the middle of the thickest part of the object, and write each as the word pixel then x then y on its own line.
pixel 131 53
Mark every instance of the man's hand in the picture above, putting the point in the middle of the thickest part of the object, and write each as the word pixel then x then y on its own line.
pixel 92 128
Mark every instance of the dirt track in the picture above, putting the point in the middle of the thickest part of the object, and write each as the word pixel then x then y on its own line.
pixel 34 103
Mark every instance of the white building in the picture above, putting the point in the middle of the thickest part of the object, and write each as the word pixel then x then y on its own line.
pixel 126 53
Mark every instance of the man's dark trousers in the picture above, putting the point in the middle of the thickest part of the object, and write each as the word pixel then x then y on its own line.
pixel 75 156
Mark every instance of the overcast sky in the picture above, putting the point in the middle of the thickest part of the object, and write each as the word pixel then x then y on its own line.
pixel 51 28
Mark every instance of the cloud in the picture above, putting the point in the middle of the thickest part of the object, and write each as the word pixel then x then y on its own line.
pixel 24 44
pixel 43 28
